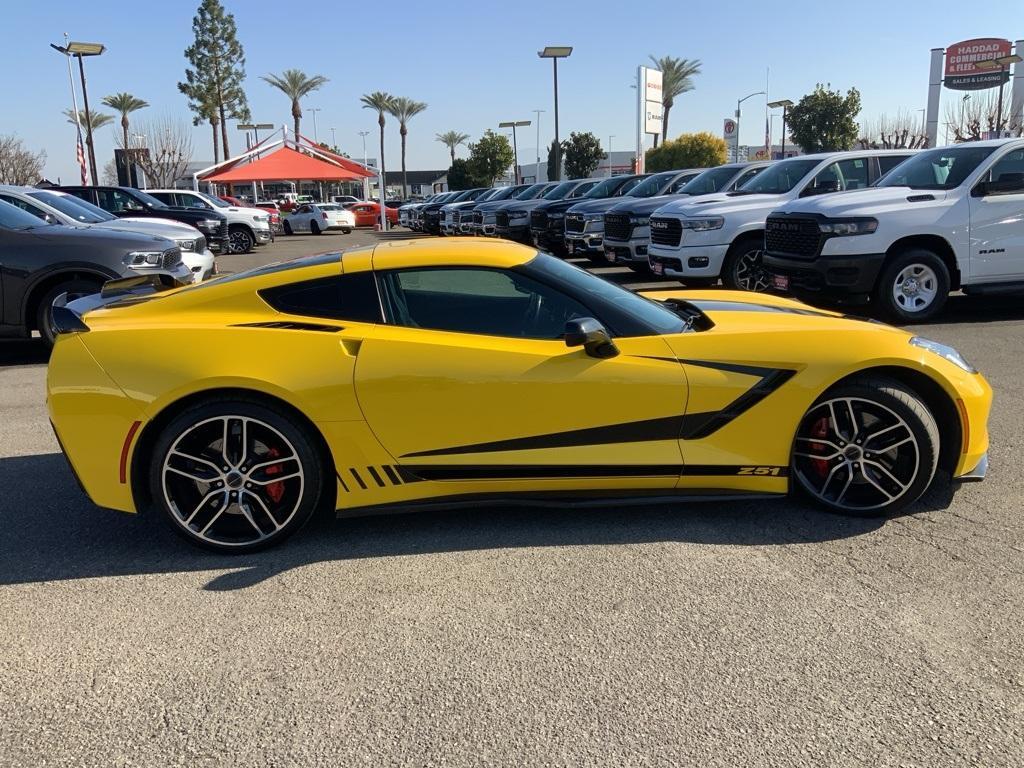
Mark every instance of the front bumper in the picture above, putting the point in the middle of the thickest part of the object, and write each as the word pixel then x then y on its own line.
pixel 629 251
pixel 828 275
pixel 687 261
pixel 548 238
pixel 263 236
pixel 584 242
pixel 518 232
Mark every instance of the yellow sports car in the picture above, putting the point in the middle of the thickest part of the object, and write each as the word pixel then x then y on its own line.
pixel 425 373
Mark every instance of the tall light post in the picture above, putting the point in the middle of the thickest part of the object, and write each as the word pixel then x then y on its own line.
pixel 334 139
pixel 556 52
pixel 1001 63
pixel 515 146
pixel 366 182
pixel 785 104
pixel 738 103
pixel 314 110
pixel 536 171
pixel 80 51
pixel 255 128
pixel 610 137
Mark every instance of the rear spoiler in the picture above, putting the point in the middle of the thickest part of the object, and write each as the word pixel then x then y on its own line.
pixel 66 315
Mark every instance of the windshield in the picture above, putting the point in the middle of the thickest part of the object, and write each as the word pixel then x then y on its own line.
pixel 943 168
pixel 560 191
pixel 69 206
pixel 652 185
pixel 778 179
pixel 605 189
pixel 214 201
pixel 330 207
pixel 12 217
pixel 531 192
pixel 710 181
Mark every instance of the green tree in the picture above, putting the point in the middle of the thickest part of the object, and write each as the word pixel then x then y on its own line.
pixel 294 83
pixel 97 119
pixel 452 139
pixel 676 79
pixel 825 120
pixel 583 153
pixel 490 157
pixel 213 79
pixel 381 102
pixel 460 176
pixel 403 109
pixel 124 103
pixel 552 169
pixel 690 150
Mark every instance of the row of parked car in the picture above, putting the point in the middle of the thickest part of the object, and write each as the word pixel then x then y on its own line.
pixel 898 228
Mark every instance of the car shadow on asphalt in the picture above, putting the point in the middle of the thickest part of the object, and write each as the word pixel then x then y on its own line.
pixel 24 352
pixel 49 531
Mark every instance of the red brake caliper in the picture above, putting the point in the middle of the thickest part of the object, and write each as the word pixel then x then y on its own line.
pixel 820 429
pixel 275 490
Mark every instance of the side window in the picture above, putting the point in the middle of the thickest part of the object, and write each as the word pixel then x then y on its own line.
pixel 27 207
pixel 342 297
pixel 746 176
pixel 678 184
pixel 490 302
pixel 887 162
pixel 582 189
pixel 844 174
pixel 116 201
pixel 191 201
pixel 1007 175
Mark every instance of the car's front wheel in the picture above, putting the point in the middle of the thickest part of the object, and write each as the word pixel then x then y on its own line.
pixel 75 289
pixel 868 447
pixel 235 475
pixel 743 269
pixel 241 240
pixel 287 227
pixel 314 228
pixel 913 287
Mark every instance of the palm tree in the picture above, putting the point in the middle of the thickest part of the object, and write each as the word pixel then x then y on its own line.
pixel 124 103
pixel 676 80
pixel 403 109
pixel 380 101
pixel 452 139
pixel 295 84
pixel 96 119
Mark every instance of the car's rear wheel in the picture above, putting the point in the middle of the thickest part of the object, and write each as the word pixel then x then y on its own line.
pixel 346 231
pixel 867 448
pixel 743 270
pixel 75 289
pixel 241 240
pixel 235 475
pixel 314 228
pixel 287 227
pixel 913 287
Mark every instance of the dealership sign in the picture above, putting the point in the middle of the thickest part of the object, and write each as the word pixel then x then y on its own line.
pixel 962 72
pixel 650 81
pixel 729 129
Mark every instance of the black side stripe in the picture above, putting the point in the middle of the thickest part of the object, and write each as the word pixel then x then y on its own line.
pixel 342 481
pixel 392 475
pixel 376 476
pixel 287 325
pixel 538 471
pixel 357 477
pixel 699 426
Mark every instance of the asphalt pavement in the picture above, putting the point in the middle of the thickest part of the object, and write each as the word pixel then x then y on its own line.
pixel 709 634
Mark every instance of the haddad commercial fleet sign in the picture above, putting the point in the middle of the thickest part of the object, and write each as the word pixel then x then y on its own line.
pixel 962 71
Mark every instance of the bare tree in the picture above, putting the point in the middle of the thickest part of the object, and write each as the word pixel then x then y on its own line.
pixel 972 116
pixel 903 131
pixel 165 152
pixel 19 165
pixel 109 175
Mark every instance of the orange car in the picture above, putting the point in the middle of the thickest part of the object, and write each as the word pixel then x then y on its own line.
pixel 367 214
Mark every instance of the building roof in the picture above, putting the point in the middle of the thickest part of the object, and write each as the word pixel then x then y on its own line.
pixel 287 164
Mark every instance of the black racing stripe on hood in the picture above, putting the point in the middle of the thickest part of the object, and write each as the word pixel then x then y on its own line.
pixel 720 305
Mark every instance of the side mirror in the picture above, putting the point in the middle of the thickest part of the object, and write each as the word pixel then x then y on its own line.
pixel 588 333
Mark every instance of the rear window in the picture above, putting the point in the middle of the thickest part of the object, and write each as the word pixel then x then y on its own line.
pixel 340 297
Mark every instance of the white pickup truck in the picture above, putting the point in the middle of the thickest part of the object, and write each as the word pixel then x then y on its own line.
pixel 699 239
pixel 949 218
pixel 247 227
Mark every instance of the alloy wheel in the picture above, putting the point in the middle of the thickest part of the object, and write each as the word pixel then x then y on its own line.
pixel 232 481
pixel 240 241
pixel 749 274
pixel 856 454
pixel 915 288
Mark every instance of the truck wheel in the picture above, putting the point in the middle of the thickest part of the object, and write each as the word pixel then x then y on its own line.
pixel 287 227
pixel 314 228
pixel 913 287
pixel 743 270
pixel 240 239
pixel 75 289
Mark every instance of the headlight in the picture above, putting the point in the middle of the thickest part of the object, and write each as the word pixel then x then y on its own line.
pixel 209 224
pixel 143 259
pixel 843 227
pixel 259 218
pixel 703 225
pixel 593 217
pixel 556 215
pixel 641 220
pixel 945 352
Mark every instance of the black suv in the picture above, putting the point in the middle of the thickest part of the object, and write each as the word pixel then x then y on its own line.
pixel 128 201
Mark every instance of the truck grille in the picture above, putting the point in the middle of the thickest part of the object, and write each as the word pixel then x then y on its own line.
pixel 501 219
pixel 170 258
pixel 478 217
pixel 792 236
pixel 222 234
pixel 666 232
pixel 538 219
pixel 574 222
pixel 617 226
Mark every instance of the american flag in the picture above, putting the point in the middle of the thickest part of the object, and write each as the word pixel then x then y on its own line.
pixel 80 155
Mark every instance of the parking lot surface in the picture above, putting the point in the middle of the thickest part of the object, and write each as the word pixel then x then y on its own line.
pixel 709 634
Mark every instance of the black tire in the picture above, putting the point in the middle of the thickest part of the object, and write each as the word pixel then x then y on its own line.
pixel 640 267
pixel 240 239
pixel 346 231
pixel 913 287
pixel 845 465
pixel 742 270
pixel 287 227
pixel 74 289
pixel 314 228
pixel 233 505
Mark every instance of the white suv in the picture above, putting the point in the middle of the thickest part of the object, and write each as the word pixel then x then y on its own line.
pixel 247 227
pixel 947 219
pixel 698 239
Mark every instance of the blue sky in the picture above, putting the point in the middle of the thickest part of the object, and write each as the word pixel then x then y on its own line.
pixel 475 63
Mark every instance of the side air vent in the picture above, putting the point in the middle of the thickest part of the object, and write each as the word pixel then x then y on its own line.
pixel 292 326
pixel 919 198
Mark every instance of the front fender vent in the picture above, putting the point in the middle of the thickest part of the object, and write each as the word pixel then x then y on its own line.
pixel 919 198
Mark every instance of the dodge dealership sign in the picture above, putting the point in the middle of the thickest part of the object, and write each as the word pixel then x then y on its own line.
pixel 962 72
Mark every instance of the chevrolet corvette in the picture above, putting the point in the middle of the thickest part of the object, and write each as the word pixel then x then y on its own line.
pixel 419 374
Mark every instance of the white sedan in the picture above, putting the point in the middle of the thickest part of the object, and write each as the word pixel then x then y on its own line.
pixel 319 217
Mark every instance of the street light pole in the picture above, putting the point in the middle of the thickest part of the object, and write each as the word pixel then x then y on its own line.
pixel 738 103
pixel 785 104
pixel 536 170
pixel 314 110
pixel 366 182
pixel 334 139
pixel 556 52
pixel 515 147
pixel 79 51
pixel 610 137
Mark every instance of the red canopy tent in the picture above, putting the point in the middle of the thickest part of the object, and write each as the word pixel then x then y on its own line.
pixel 287 164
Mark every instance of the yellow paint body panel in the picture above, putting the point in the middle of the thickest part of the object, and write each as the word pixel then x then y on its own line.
pixel 405 400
